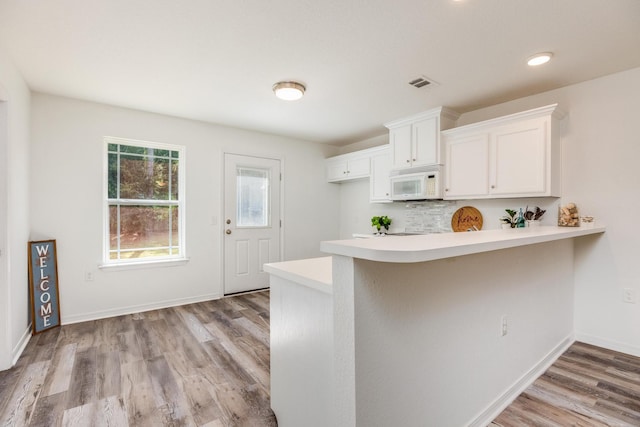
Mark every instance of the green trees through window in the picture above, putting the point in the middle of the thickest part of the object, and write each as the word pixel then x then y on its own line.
pixel 143 200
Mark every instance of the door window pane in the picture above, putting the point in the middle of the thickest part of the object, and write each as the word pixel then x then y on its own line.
pixel 253 208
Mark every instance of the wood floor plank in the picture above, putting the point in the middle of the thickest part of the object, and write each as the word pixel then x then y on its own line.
pixel 19 409
pixel 138 395
pixel 108 374
pixel 49 410
pixel 148 339
pixel 201 403
pixel 195 326
pixel 110 412
pixel 129 347
pixel 79 416
pixel 167 394
pixel 59 376
pixel 82 389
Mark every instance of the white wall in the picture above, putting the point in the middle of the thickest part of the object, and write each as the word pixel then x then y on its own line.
pixel 601 149
pixel 67 161
pixel 14 211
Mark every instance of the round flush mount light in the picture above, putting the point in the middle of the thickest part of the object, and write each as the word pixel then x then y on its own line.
pixel 289 91
pixel 539 59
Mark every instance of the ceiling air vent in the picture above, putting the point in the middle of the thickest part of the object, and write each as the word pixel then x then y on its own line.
pixel 421 81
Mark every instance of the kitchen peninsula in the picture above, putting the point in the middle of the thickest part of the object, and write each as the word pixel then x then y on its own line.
pixel 441 329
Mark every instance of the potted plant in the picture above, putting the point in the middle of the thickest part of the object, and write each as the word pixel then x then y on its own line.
pixel 381 221
pixel 510 220
pixel 533 216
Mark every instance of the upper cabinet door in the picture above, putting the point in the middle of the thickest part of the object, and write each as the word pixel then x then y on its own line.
pixel 467 171
pixel 425 145
pixel 337 170
pixel 400 139
pixel 379 184
pixel 519 158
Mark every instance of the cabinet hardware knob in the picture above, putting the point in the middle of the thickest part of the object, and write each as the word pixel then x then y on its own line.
pixel 408 161
pixel 228 231
pixel 414 160
pixel 228 221
pixel 446 189
pixel 493 186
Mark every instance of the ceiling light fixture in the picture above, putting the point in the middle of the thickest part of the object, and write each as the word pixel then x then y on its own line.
pixel 539 59
pixel 289 91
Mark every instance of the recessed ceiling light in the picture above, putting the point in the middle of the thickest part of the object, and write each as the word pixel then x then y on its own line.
pixel 289 91
pixel 539 59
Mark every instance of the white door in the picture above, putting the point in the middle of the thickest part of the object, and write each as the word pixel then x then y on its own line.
pixel 251 221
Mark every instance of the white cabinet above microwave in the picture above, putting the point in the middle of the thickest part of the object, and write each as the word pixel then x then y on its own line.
pixel 415 140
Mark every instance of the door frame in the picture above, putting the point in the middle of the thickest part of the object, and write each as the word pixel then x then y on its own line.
pixel 6 313
pixel 220 223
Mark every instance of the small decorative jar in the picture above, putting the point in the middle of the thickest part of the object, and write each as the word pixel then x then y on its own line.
pixel 568 215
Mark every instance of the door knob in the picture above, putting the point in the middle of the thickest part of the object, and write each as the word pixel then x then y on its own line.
pixel 228 231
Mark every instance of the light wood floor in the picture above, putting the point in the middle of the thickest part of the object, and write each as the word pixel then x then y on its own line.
pixel 586 386
pixel 207 364
pixel 199 364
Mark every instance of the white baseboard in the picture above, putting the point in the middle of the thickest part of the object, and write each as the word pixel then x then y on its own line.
pixel 608 344
pixel 501 403
pixel 21 345
pixel 96 315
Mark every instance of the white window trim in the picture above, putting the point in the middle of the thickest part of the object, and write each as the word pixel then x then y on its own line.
pixel 165 261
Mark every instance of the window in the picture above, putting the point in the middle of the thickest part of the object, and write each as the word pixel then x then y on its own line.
pixel 144 201
pixel 253 197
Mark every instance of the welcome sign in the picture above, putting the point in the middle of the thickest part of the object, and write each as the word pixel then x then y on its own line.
pixel 43 285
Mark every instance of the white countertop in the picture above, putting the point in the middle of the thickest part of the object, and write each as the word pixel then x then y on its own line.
pixel 313 272
pixel 429 247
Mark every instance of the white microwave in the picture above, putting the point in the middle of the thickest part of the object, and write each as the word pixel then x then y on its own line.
pixel 416 186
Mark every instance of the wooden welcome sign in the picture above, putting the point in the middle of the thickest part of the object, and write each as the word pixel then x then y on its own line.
pixel 43 285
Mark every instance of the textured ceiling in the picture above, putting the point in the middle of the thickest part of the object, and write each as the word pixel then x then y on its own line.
pixel 216 60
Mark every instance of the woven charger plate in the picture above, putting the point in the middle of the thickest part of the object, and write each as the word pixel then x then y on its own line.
pixel 466 218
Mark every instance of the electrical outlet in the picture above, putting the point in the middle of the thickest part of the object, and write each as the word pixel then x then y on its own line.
pixel 504 324
pixel 629 295
pixel 88 276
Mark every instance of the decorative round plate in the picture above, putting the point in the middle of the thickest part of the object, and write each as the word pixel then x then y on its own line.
pixel 466 218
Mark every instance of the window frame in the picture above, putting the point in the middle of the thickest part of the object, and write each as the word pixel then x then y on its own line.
pixel 180 203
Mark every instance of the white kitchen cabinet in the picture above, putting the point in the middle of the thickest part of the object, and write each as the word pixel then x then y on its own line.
pixel 415 140
pixel 512 156
pixel 379 184
pixel 348 166
pixel 467 166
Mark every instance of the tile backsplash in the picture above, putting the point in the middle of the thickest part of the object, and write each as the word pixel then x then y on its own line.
pixel 429 217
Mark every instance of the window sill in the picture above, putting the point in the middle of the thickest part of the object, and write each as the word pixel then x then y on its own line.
pixel 143 264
